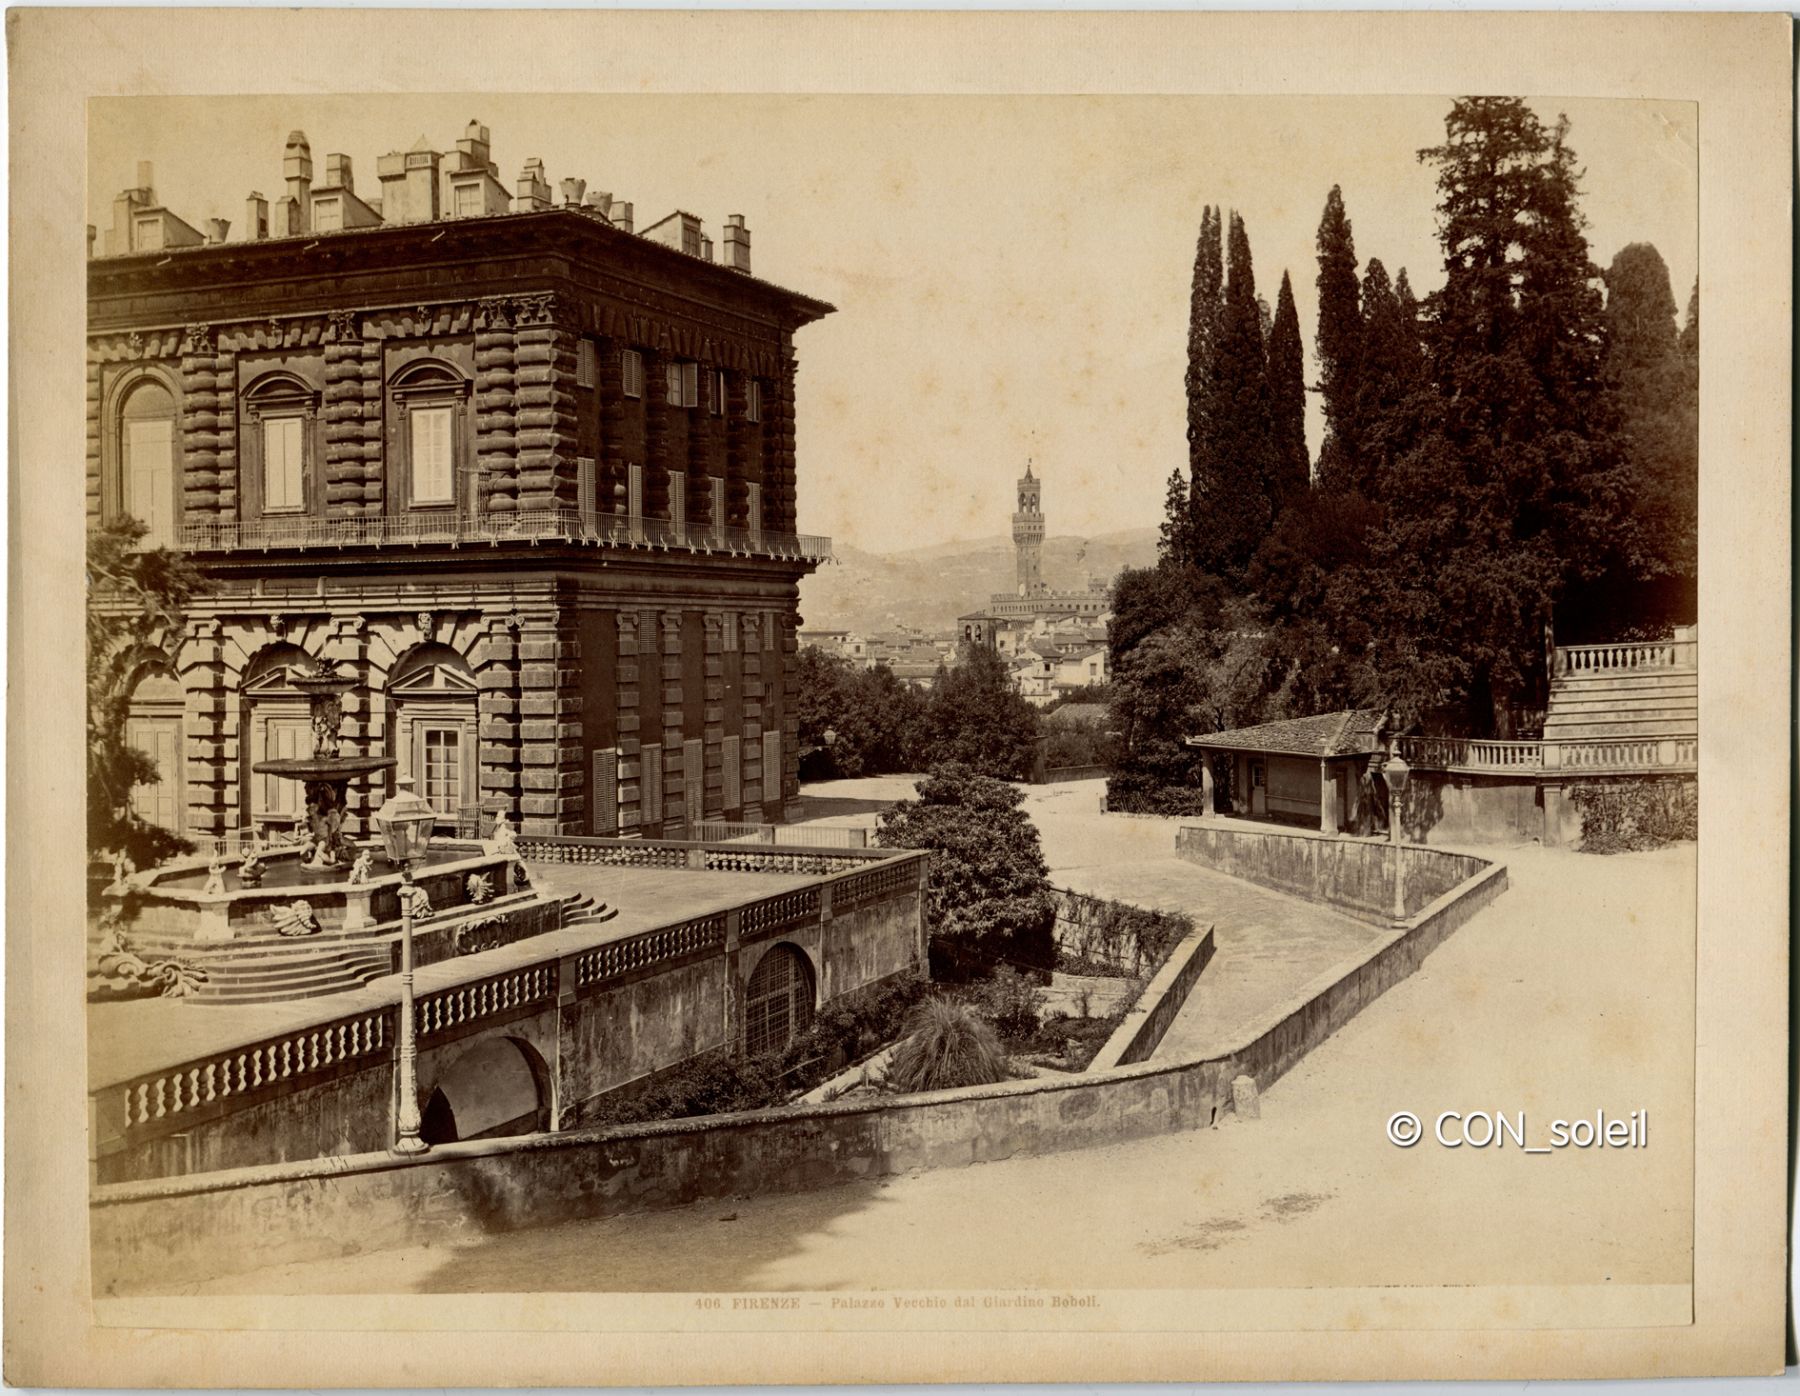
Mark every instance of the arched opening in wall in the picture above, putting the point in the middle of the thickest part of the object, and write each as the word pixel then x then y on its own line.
pixel 435 717
pixel 499 1087
pixel 153 726
pixel 275 721
pixel 147 481
pixel 778 1003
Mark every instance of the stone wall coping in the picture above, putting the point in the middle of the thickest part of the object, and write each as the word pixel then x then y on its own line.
pixel 121 1194
pixel 1112 1052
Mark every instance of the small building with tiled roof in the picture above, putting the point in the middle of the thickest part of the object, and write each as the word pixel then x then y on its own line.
pixel 1305 770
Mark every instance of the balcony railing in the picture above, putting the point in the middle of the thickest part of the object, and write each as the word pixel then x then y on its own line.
pixel 1596 661
pixel 1629 756
pixel 1471 754
pixel 528 526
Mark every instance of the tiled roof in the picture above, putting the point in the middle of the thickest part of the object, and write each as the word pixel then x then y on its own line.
pixel 1347 733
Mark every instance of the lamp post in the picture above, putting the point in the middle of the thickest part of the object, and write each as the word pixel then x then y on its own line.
pixel 406 822
pixel 1394 771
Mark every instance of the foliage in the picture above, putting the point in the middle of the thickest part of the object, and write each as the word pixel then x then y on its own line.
pixel 948 1046
pixel 1012 1002
pixel 976 718
pixel 847 1029
pixel 136 603
pixel 1338 342
pixel 1205 317
pixel 1117 939
pixel 875 723
pixel 987 900
pixel 1292 470
pixel 1139 792
pixel 1624 816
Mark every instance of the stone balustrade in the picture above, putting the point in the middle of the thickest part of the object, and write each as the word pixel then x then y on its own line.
pixel 1582 661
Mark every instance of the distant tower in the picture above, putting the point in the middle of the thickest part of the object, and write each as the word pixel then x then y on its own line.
pixel 1028 535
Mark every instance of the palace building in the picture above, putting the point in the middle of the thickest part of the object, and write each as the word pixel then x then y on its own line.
pixel 526 473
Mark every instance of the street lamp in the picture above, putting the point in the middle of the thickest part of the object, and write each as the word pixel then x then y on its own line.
pixel 1395 772
pixel 406 822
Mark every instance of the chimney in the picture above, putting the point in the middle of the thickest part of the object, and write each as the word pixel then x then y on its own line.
pixel 599 202
pixel 409 184
pixel 472 150
pixel 256 217
pixel 705 247
pixel 533 190
pixel 621 215
pixel 296 169
pixel 289 216
pixel 737 244
pixel 338 174
pixel 217 229
pixel 146 179
pixel 572 190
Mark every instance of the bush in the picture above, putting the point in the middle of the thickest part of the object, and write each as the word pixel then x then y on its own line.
pixel 1117 939
pixel 1137 793
pixel 1012 1003
pixel 1623 816
pixel 948 1046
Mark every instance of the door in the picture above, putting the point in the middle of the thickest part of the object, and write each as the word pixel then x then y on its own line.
pixel 158 802
pixel 1259 788
pixel 693 785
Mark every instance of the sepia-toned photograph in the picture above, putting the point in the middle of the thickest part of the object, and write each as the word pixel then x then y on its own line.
pixel 897 713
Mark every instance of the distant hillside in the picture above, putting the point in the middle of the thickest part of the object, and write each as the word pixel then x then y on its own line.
pixel 931 587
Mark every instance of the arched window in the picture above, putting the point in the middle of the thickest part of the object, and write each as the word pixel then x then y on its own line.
pixel 148 479
pixel 281 445
pixel 426 437
pixel 275 718
pixel 778 1005
pixel 435 720
pixel 153 726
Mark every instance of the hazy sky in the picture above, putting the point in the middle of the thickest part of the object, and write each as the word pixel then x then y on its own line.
pixel 1011 273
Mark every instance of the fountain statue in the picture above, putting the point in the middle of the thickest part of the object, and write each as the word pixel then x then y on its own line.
pixel 326 774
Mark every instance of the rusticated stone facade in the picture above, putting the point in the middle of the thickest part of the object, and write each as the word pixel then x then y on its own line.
pixel 443 454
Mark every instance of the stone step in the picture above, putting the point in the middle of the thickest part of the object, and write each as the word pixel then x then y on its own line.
pixel 1667 678
pixel 1619 731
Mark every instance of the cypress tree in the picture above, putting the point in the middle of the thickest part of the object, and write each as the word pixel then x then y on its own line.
pixel 1287 401
pixel 1205 306
pixel 1339 339
pixel 1174 544
pixel 1385 416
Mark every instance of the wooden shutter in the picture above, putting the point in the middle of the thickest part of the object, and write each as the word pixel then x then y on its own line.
pixel 732 757
pixel 690 384
pixel 693 784
pixel 283 486
pixel 150 477
pixel 634 491
pixel 431 463
pixel 606 793
pixel 678 502
pixel 585 360
pixel 584 484
pixel 755 520
pixel 631 373
pixel 771 763
pixel 718 504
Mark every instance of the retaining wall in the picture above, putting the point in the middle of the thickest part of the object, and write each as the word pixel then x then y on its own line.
pixel 1144 1026
pixel 174 1231
pixel 1355 875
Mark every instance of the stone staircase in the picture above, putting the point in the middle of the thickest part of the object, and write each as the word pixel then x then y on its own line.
pixel 1625 698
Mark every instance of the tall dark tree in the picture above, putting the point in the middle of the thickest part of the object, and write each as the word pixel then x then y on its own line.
pixel 1205 310
pixel 1287 401
pixel 1386 414
pixel 1239 467
pixel 976 717
pixel 1174 542
pixel 1690 332
pixel 1512 490
pixel 1339 339
pixel 1647 372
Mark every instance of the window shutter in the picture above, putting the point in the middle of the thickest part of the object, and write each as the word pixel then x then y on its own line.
pixel 771 767
pixel 584 484
pixel 606 792
pixel 690 384
pixel 732 757
pixel 672 383
pixel 718 504
pixel 631 373
pixel 693 785
pixel 678 503
pixel 585 359
pixel 755 506
pixel 431 455
pixel 634 491
pixel 283 486
pixel 753 401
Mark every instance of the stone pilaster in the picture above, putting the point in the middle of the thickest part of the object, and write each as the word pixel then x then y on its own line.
pixel 546 414
pixel 656 436
pixel 95 507
pixel 630 747
pixel 713 734
pixel 611 465
pixel 348 644
pixel 699 457
pixel 209 725
pixel 495 661
pixel 737 444
pixel 778 469
pixel 790 695
pixel 200 413
pixel 673 731
pixel 496 440
pixel 343 413
pixel 754 668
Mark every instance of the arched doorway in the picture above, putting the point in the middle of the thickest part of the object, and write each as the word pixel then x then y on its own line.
pixel 779 1000
pixel 500 1086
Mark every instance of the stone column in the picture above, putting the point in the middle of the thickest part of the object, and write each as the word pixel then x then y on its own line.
pixel 1328 822
pixel 1207 808
pixel 544 797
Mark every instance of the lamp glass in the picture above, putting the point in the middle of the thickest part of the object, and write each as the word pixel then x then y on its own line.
pixel 1395 772
pixel 406 822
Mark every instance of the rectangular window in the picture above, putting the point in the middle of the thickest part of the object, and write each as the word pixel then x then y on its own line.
pixel 149 235
pixel 606 793
pixel 718 504
pixel 755 507
pixel 634 491
pixel 149 478
pixel 753 401
pixel 468 200
pixel 283 468
pixel 431 463
pixel 631 372
pixel 732 758
pixel 718 392
pixel 690 385
pixel 693 785
pixel 678 502
pixel 585 360
pixel 328 216
pixel 771 767
pixel 672 383
pixel 441 779
pixel 584 484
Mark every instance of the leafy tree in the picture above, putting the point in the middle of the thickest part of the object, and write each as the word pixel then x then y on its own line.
pixel 855 722
pixel 1657 396
pixel 136 604
pixel 987 900
pixel 1240 464
pixel 1390 381
pixel 1287 402
pixel 1339 339
pixel 976 717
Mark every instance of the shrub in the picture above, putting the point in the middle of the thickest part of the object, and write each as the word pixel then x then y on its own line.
pixel 1137 793
pixel 1114 938
pixel 948 1046
pixel 1623 816
pixel 1012 1003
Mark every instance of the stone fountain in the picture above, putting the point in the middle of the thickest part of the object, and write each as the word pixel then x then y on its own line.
pixel 326 773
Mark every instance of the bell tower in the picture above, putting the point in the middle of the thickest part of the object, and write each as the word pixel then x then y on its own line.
pixel 1028 535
